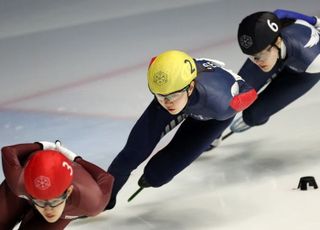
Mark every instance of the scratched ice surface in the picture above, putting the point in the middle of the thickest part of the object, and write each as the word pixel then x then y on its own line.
pixel 75 70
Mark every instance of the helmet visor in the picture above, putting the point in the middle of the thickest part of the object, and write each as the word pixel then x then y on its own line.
pixel 51 203
pixel 172 96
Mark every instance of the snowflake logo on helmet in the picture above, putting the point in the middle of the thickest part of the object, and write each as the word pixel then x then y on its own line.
pixel 42 182
pixel 160 78
pixel 246 41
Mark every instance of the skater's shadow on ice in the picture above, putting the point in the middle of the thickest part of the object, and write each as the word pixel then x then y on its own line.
pixel 168 214
pixel 254 160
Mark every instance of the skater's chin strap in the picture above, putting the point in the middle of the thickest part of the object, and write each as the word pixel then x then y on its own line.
pixel 282 51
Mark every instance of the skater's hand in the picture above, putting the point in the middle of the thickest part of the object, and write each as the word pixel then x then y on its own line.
pixel 143 182
pixel 111 204
pixel 46 145
pixel 66 152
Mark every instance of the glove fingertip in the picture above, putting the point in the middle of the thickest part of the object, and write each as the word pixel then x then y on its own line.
pixel 58 143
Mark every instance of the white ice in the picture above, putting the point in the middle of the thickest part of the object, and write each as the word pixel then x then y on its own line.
pixel 75 70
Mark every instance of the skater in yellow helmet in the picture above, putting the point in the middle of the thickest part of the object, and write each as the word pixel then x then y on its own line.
pixel 199 92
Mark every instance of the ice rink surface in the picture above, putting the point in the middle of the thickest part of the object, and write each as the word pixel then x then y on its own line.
pixel 75 70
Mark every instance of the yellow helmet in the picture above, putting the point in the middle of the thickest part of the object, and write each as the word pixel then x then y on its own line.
pixel 171 71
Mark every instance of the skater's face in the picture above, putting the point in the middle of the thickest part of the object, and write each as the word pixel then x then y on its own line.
pixel 175 102
pixel 51 210
pixel 267 58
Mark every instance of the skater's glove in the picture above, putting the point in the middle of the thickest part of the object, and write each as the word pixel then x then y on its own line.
pixel 66 152
pixel 143 182
pixel 111 204
pixel 46 145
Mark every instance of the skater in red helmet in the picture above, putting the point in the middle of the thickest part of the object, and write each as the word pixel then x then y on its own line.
pixel 46 186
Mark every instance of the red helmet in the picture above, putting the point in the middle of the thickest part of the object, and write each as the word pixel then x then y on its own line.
pixel 47 174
